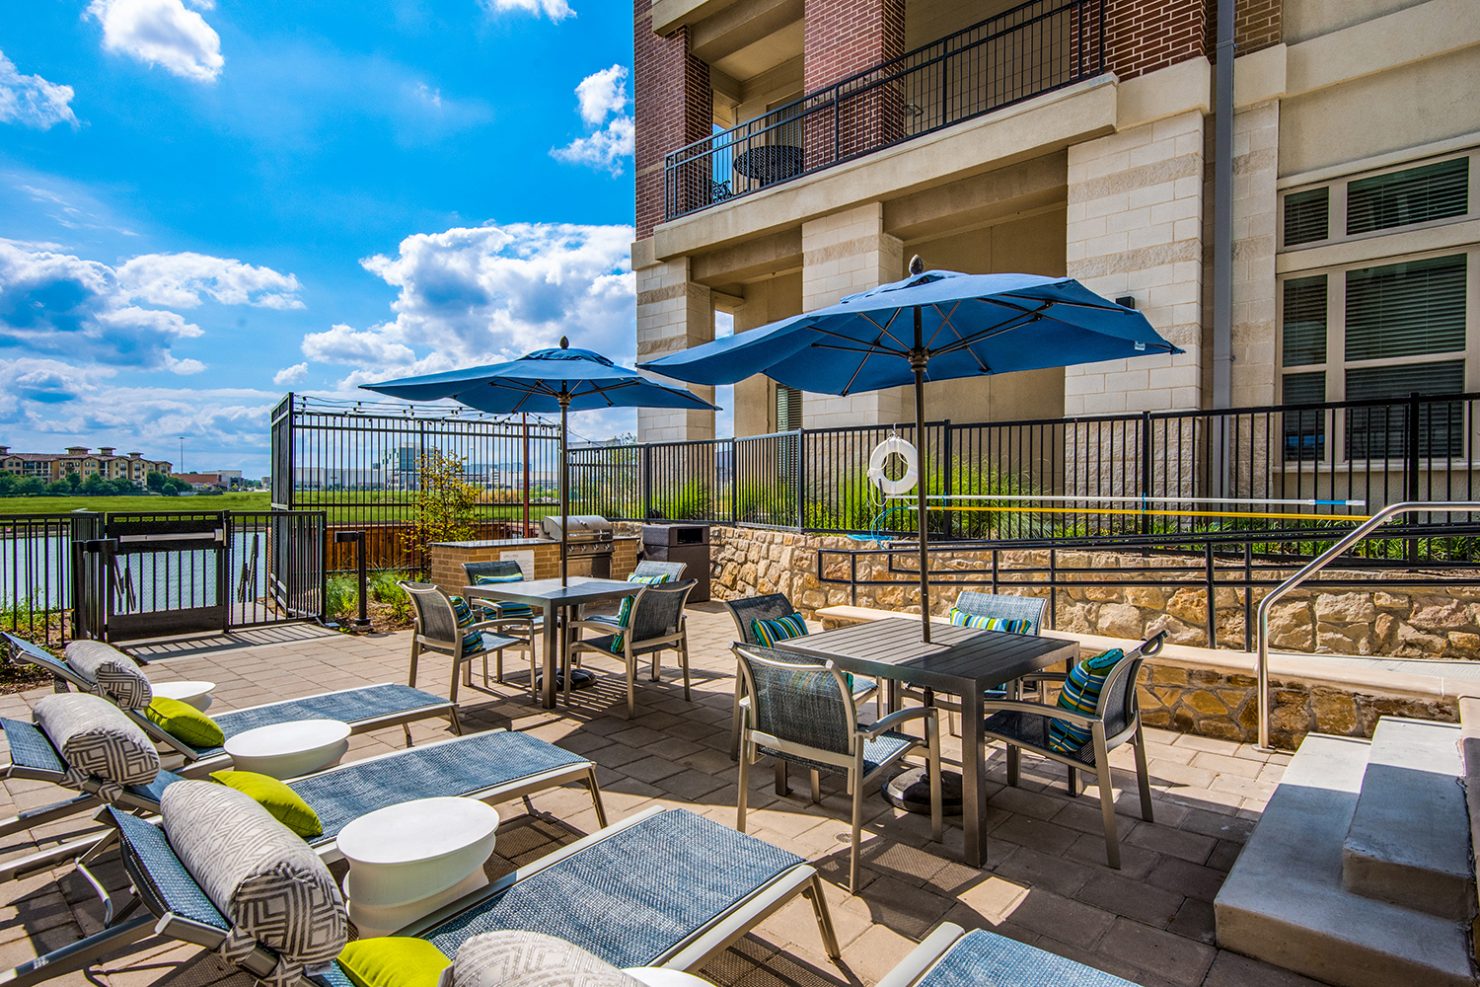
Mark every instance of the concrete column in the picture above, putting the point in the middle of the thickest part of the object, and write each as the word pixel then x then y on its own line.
pixel 673 313
pixel 1256 135
pixel 843 253
pixel 1135 228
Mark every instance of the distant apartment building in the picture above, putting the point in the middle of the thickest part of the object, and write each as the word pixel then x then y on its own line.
pixel 80 461
pixel 790 152
pixel 213 479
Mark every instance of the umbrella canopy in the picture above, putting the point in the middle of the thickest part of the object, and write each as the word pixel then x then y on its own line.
pixel 932 325
pixel 544 382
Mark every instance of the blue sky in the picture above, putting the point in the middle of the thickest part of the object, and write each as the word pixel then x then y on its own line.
pixel 206 204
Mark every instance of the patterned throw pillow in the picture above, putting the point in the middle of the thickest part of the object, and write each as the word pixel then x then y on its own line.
pixel 96 739
pixel 113 674
pixel 624 614
pixel 768 632
pixel 1081 693
pixel 964 618
pixel 270 884
pixel 472 641
pixel 657 580
pixel 496 959
pixel 513 611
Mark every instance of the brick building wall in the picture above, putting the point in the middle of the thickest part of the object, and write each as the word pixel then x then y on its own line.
pixel 674 106
pixel 842 38
pixel 1142 36
pixel 1257 24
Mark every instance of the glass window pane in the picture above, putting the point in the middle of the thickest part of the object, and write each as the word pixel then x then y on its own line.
pixel 1304 431
pixel 1307 216
pixel 1406 309
pixel 1415 195
pixel 1304 323
pixel 1381 431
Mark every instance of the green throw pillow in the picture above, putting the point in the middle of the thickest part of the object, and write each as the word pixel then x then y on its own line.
pixel 285 805
pixel 393 961
pixel 184 722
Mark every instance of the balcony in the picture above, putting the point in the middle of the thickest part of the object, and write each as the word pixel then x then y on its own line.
pixel 1024 52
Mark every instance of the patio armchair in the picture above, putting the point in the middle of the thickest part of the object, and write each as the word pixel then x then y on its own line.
pixel 1116 720
pixel 521 619
pixel 653 623
pixel 676 890
pixel 770 606
pixel 645 571
pixel 803 712
pixel 438 630
pixel 952 957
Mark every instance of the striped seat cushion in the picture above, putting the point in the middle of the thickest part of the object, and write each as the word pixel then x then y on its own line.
pixel 656 580
pixel 769 632
pixel 1081 693
pixel 964 618
pixel 511 611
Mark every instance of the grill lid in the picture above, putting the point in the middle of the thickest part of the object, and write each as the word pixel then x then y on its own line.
pixel 579 527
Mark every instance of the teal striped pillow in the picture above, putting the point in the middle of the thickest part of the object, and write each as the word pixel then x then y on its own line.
pixel 517 611
pixel 769 632
pixel 1081 693
pixel 624 614
pixel 472 640
pixel 657 580
pixel 964 618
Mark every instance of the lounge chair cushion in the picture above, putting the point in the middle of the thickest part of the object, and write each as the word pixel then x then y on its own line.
pixel 112 673
pixel 769 632
pixel 510 959
pixel 964 618
pixel 97 739
pixel 286 805
pixel 268 883
pixel 1081 693
pixel 393 961
pixel 184 722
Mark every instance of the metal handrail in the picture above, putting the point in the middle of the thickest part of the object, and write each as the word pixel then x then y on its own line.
pixel 1261 661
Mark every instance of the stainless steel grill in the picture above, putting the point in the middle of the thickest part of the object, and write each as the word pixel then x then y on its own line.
pixel 588 537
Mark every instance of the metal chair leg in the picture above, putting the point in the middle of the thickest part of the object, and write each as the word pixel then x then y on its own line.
pixel 783 787
pixel 1013 763
pixel 1143 777
pixel 1107 798
pixel 937 809
pixel 1073 784
pixel 596 802
pixel 683 660
pixel 815 777
pixel 813 893
pixel 855 782
pixel 742 798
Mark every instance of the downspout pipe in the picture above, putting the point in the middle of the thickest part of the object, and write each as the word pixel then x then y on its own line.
pixel 1223 234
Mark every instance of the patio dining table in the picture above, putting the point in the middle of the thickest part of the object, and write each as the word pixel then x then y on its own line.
pixel 958 661
pixel 554 602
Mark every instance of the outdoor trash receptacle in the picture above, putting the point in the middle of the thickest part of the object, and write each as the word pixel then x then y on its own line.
pixel 686 543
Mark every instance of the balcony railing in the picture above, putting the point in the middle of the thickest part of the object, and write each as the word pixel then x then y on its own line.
pixel 1024 52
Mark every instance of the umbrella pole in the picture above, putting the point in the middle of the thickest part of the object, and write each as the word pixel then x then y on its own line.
pixel 564 481
pixel 917 364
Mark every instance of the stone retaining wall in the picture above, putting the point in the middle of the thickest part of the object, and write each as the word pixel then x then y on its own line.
pixel 1430 622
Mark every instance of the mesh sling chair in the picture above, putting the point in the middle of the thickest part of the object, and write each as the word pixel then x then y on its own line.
pixel 492 765
pixel 646 569
pixel 803 712
pixel 437 631
pixel 952 957
pixel 518 619
pixel 745 613
pixel 1025 726
pixel 364 709
pixel 675 889
pixel 995 606
pixel 655 623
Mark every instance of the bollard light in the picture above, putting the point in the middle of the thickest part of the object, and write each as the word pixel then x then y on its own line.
pixel 362 622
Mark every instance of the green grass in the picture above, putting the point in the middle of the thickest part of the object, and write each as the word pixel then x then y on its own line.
pixel 252 500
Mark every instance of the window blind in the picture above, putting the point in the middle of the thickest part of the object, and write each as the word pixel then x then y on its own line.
pixel 1304 322
pixel 1414 195
pixel 1406 309
pixel 1307 216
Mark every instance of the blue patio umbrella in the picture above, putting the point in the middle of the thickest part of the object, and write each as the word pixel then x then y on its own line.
pixel 559 379
pixel 932 325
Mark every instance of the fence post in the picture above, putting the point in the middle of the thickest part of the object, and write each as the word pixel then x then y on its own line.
pixel 645 491
pixel 946 485
pixel 1410 465
pixel 801 479
pixel 1147 475
pixel 734 481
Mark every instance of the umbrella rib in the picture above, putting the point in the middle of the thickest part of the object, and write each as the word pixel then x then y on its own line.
pixel 966 342
pixel 947 323
pixel 1071 303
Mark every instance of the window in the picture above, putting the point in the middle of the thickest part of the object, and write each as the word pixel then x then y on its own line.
pixel 1406 309
pixel 788 408
pixel 1307 216
pixel 1402 198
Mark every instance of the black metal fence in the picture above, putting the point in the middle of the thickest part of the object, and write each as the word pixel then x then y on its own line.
pixel 1024 52
pixel 1302 468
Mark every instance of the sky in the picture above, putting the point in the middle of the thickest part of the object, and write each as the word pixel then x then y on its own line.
pixel 205 204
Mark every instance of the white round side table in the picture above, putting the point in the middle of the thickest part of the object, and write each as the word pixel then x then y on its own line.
pixel 287 750
pixel 656 976
pixel 195 693
pixel 408 860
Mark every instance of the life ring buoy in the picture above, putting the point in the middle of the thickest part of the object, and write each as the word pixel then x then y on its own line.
pixel 879 459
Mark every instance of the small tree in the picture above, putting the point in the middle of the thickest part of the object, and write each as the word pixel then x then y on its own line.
pixel 156 481
pixel 445 503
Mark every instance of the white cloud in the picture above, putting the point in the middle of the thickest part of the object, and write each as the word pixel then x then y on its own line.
pixel 601 94
pixel 167 33
pixel 473 295
pixel 184 280
pixel 31 101
pixel 611 141
pixel 53 303
pixel 556 10
pixel 295 374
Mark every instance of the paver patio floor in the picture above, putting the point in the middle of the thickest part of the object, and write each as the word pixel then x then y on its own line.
pixel 1046 881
